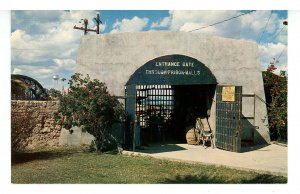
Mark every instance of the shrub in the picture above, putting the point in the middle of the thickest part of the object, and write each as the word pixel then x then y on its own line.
pixel 89 104
pixel 276 97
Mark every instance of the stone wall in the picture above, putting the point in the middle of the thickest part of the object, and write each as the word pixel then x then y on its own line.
pixel 33 125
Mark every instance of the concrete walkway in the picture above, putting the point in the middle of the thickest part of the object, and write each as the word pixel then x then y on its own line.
pixel 271 158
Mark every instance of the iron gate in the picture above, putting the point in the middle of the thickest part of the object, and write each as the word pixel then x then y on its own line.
pixel 154 100
pixel 228 118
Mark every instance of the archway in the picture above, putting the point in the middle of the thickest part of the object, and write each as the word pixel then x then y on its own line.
pixel 165 95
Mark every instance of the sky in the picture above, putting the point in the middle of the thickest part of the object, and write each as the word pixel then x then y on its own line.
pixel 44 43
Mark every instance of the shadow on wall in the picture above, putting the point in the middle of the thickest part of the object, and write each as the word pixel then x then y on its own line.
pixel 251 138
pixel 79 137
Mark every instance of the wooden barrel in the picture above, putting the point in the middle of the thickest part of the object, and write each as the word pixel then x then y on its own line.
pixel 191 136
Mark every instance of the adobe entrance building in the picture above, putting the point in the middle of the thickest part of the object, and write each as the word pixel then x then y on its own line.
pixel 172 78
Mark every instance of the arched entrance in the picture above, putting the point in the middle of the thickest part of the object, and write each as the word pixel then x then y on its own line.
pixel 166 95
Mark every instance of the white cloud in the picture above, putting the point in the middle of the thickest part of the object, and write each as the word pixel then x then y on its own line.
pixel 45 73
pixel 36 72
pixel 249 26
pixel 17 71
pixel 165 22
pixel 189 26
pixel 65 64
pixel 269 51
pixel 44 43
pixel 130 25
pixel 179 18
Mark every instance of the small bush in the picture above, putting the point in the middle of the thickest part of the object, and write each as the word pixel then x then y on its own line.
pixel 276 97
pixel 89 104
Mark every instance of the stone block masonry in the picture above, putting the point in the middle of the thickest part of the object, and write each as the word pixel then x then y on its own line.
pixel 33 125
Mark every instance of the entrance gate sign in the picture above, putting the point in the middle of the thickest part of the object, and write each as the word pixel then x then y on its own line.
pixel 187 71
pixel 172 70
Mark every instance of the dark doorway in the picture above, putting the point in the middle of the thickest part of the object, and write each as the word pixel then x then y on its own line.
pixel 164 112
pixel 191 101
pixel 154 110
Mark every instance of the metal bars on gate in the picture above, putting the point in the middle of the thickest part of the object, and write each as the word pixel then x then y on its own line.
pixel 154 100
pixel 228 120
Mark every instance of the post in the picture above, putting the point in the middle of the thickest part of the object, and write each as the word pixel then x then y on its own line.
pixel 98 23
pixel 85 26
pixel 133 138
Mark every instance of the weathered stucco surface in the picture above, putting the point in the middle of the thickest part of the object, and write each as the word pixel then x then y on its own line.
pixel 113 58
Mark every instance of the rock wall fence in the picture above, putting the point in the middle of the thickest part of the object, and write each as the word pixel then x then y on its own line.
pixel 33 126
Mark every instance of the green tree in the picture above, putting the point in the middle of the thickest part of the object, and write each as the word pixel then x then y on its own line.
pixel 90 105
pixel 276 97
pixel 53 93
